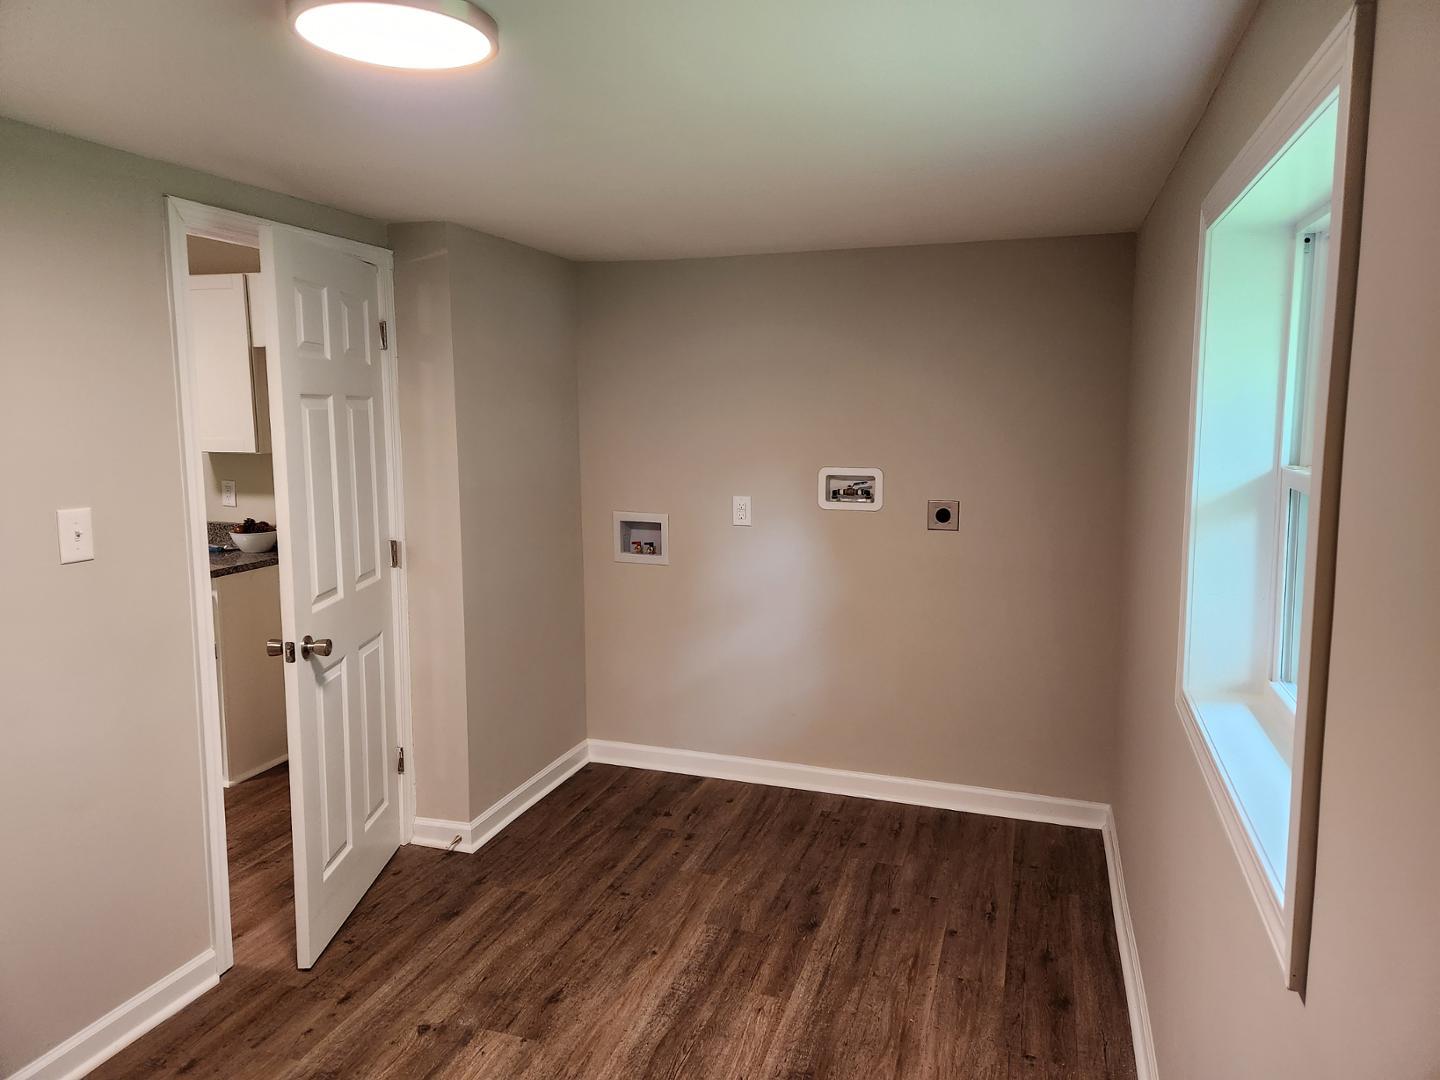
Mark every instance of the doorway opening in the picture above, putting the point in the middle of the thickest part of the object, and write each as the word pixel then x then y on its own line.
pixel 294 506
pixel 226 331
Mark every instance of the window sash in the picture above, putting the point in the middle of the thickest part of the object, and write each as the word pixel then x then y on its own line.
pixel 1294 544
pixel 1298 398
pixel 1299 404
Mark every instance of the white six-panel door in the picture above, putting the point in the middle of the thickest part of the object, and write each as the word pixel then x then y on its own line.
pixel 328 430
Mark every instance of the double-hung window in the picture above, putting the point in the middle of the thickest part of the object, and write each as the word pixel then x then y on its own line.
pixel 1276 287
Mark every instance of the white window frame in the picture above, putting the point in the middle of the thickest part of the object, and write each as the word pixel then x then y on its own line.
pixel 1341 69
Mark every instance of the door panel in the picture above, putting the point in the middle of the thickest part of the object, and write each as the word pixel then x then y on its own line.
pixel 330 722
pixel 322 538
pixel 373 725
pixel 327 401
pixel 364 471
pixel 309 305
pixel 355 316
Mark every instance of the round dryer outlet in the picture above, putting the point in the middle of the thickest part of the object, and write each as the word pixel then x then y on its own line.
pixel 943 515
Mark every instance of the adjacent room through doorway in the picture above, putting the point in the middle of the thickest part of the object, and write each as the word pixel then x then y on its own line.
pixel 226 330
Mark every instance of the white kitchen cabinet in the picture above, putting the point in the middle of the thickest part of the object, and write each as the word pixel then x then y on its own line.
pixel 255 306
pixel 232 394
pixel 252 684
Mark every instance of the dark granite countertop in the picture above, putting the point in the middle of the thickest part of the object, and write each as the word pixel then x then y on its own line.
pixel 237 562
pixel 231 560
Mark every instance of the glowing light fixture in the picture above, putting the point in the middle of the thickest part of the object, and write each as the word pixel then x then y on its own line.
pixel 420 34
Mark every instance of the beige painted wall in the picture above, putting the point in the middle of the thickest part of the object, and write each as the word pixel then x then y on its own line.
pixel 433 564
pixel 488 328
pixel 103 821
pixel 516 398
pixel 254 477
pixel 1216 995
pixel 991 373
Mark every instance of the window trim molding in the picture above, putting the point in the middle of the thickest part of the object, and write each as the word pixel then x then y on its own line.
pixel 1341 66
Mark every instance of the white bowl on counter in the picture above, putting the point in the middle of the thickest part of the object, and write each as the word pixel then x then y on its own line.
pixel 255 542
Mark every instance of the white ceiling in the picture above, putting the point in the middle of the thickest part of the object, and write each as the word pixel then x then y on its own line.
pixel 657 128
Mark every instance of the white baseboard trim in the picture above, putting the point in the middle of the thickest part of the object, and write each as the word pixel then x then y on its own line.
pixel 1141 1036
pixel 125 1023
pixel 943 796
pixel 257 770
pixel 473 835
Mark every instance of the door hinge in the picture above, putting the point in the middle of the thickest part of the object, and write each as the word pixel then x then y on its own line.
pixel 400 759
pixel 384 334
pixel 395 553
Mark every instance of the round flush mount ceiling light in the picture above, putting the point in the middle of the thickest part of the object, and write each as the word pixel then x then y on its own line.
pixel 419 34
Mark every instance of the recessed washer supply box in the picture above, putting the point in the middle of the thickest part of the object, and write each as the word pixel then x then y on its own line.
pixel 847 488
pixel 649 532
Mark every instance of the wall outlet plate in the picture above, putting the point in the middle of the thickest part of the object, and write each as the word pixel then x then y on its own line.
pixel 942 515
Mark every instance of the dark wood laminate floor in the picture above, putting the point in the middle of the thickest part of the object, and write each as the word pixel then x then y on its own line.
pixel 639 924
pixel 262 872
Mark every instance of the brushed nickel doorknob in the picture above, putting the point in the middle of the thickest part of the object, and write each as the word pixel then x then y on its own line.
pixel 320 647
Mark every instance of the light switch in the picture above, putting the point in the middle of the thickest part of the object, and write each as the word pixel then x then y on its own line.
pixel 227 493
pixel 77 539
pixel 740 510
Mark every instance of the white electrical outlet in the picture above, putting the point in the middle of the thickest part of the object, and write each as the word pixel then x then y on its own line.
pixel 740 510
pixel 77 538
pixel 227 493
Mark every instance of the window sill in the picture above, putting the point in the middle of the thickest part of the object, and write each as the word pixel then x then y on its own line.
pixel 1274 707
pixel 1249 783
pixel 1256 777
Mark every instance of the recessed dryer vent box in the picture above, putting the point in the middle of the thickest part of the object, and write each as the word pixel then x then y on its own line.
pixel 642 538
pixel 843 488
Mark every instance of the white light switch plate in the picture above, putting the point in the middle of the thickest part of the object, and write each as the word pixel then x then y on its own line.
pixel 77 538
pixel 227 493
pixel 740 510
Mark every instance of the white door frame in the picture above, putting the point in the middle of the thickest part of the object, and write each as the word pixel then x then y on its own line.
pixel 185 218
